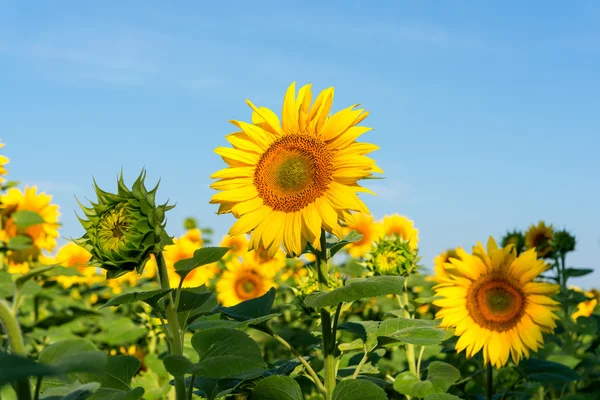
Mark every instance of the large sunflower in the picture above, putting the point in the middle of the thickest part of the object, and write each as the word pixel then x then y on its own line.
pixel 539 237
pixel 370 230
pixel 244 279
pixel 287 180
pixel 403 227
pixel 494 305
pixel 43 235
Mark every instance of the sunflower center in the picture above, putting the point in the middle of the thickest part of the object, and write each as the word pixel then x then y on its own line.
pixel 248 285
pixel 114 225
pixel 495 303
pixel 294 172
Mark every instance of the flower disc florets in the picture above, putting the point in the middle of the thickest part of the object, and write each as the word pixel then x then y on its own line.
pixel 393 256
pixel 123 229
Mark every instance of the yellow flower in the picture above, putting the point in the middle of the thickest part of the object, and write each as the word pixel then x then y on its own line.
pixel 73 256
pixel 244 280
pixel 370 230
pixel 423 309
pixel 238 244
pixel 3 161
pixel 400 225
pixel 539 237
pixel 585 309
pixel 286 181
pixel 494 304
pixel 194 235
pixel 441 264
pixel 43 235
pixel 18 267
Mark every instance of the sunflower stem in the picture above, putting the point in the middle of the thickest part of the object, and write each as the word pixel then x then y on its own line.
pixel 410 349
pixel 326 327
pixel 8 320
pixel 489 382
pixel 176 336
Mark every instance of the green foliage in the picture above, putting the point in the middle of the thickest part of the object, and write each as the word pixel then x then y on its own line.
pixel 150 297
pixel 440 376
pixel 203 256
pixel 25 218
pixel 277 387
pixel 358 390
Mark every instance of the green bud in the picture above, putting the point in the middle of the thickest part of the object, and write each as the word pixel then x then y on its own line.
pixel 516 238
pixel 563 242
pixel 190 223
pixel 122 230
pixel 393 257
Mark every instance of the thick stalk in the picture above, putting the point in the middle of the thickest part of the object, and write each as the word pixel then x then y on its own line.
pixel 410 349
pixel 175 335
pixel 328 340
pixel 489 382
pixel 8 319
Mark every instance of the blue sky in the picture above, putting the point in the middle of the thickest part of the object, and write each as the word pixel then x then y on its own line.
pixel 486 113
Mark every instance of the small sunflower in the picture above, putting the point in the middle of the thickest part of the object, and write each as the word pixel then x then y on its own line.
pixel 516 238
pixel 243 280
pixel 43 235
pixel 539 237
pixel 287 180
pixel 3 161
pixel 73 256
pixel 403 227
pixel 370 230
pixel 441 263
pixel 238 244
pixel 494 304
pixel 194 235
pixel 585 309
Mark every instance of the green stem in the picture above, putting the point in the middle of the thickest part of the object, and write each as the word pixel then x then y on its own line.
pixel 361 363
pixel 410 349
pixel 176 336
pixel 419 361
pixel 38 387
pixel 326 327
pixel 489 382
pixel 191 389
pixel 9 321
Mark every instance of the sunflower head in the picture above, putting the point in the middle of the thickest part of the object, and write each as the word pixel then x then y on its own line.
pixel 371 231
pixel 539 237
pixel 393 257
pixel 399 225
pixel 243 279
pixel 515 238
pixel 288 179
pixel 122 230
pixel 238 245
pixel 563 242
pixel 494 304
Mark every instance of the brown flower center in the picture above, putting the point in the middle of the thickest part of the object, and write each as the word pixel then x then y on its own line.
pixel 293 172
pixel 495 303
pixel 248 285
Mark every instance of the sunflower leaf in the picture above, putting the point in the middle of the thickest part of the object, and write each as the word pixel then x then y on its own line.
pixel 358 389
pixel 203 256
pixel 18 243
pixel 20 281
pixel 538 370
pixel 339 245
pixel 356 289
pixel 253 308
pixel 277 387
pixel 25 218
pixel 440 377
pixel 150 297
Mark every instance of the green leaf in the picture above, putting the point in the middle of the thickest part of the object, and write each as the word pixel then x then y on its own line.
pixel 358 389
pixel 20 281
pixel 356 289
pixel 14 368
pixel 194 302
pixel 111 394
pixel 7 286
pixel 441 396
pixel 18 243
pixel 578 272
pixel 349 238
pixel 150 297
pixel 418 335
pixel 25 218
pixel 178 365
pixel 225 323
pixel 355 328
pixel 65 349
pixel 203 256
pixel 277 387
pixel 116 376
pixel 120 331
pixel 227 353
pixel 440 376
pixel 253 308
pixel 82 392
pixel 547 371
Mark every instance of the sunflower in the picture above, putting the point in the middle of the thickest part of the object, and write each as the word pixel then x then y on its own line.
pixel 238 244
pixel 3 161
pixel 286 181
pixel 539 237
pixel 194 235
pixel 370 230
pixel 401 226
pixel 181 249
pixel 243 280
pixel 43 235
pixel 585 309
pixel 441 263
pixel 494 305
pixel 73 256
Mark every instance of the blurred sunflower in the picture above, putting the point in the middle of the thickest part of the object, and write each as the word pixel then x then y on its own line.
pixel 370 230
pixel 440 263
pixel 403 227
pixel 585 309
pixel 43 235
pixel 244 280
pixel 3 161
pixel 539 237
pixel 495 306
pixel 194 235
pixel 286 181
pixel 74 256
pixel 238 244
pixel 181 249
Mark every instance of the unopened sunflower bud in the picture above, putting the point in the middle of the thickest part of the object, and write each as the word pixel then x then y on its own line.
pixel 392 257
pixel 122 230
pixel 563 242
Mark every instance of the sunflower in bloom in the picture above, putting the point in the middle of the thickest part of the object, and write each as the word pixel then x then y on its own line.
pixel 370 230
pixel 401 226
pixel 244 279
pixel 238 244
pixel 539 237
pixel 494 305
pixel 73 256
pixel 194 235
pixel 585 309
pixel 3 161
pixel 181 249
pixel 441 262
pixel 288 179
pixel 43 235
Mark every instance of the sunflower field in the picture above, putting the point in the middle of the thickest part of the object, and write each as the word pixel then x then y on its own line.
pixel 307 297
